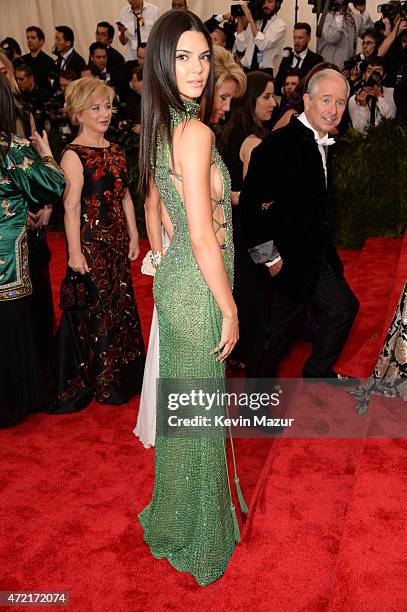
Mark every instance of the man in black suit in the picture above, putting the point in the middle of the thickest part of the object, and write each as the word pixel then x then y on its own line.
pixel 41 64
pixel 98 57
pixel 285 215
pixel 301 58
pixel 34 96
pixel 68 58
pixel 105 35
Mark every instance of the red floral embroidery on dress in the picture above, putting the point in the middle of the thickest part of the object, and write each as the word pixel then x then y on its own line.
pixel 113 325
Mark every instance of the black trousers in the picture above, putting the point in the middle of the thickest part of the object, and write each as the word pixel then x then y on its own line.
pixel 337 305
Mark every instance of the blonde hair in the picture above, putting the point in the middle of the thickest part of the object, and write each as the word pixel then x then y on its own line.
pixel 80 94
pixel 226 69
pixel 10 72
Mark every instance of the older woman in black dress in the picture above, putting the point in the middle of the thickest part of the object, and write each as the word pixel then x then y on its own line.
pixel 99 346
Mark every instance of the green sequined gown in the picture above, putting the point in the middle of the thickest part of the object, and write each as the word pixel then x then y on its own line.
pixel 189 519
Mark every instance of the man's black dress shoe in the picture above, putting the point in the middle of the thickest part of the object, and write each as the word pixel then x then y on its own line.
pixel 333 378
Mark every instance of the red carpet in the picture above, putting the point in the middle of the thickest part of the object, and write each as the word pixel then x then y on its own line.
pixel 326 528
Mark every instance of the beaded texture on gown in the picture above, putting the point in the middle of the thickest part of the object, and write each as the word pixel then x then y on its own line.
pixel 189 519
pixel 99 350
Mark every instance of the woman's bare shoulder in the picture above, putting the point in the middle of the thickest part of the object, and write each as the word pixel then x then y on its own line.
pixel 196 135
pixel 249 143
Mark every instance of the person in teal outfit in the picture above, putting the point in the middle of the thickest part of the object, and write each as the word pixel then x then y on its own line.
pixel 190 520
pixel 26 175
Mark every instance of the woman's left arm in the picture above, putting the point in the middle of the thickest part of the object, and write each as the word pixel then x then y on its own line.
pixel 128 207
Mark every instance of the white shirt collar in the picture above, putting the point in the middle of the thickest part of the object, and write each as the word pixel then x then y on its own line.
pixel 130 10
pixel 304 120
pixel 302 54
pixel 67 54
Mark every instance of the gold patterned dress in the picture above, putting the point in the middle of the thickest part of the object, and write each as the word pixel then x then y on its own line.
pixel 190 519
pixel 389 376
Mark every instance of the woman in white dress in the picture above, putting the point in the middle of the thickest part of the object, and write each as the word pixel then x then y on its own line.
pixel 230 82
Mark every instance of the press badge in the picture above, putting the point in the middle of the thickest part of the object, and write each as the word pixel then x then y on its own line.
pixel 260 56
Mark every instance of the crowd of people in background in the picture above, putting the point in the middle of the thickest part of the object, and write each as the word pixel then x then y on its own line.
pixel 263 88
pixel 256 41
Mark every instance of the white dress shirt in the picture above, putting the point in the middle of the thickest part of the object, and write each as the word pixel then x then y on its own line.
pixel 65 57
pixel 322 149
pixel 301 55
pixel 269 42
pixel 150 14
pixel 360 115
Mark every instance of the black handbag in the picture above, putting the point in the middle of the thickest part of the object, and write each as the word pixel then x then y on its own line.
pixel 74 291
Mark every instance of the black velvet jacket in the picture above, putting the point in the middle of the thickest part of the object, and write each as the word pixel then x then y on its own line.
pixel 285 200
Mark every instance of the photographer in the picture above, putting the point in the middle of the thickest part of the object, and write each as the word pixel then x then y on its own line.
pixel 355 67
pixel 342 27
pixel 394 46
pixel 260 36
pixel 222 27
pixel 372 102
pixel 33 96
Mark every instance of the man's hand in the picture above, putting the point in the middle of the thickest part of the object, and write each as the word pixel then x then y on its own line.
pixel 376 91
pixel 275 269
pixel 32 220
pixel 387 26
pixel 247 13
pixel 399 25
pixel 402 26
pixel 362 95
pixel 241 24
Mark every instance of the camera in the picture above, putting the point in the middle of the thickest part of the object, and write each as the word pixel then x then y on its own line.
pixel 320 6
pixel 350 64
pixel 392 9
pixel 123 135
pixel 374 79
pixel 255 7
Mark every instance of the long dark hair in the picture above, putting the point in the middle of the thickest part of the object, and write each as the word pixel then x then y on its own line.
pixel 242 117
pixel 160 86
pixel 8 114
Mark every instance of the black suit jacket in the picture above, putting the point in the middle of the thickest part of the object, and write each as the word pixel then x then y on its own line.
pixel 115 61
pixel 75 62
pixel 286 170
pixel 310 60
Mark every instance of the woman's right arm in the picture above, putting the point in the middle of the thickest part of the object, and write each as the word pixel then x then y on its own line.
pixel 73 171
pixel 195 162
pixel 152 209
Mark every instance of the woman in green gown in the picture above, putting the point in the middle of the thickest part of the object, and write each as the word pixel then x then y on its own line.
pixel 190 520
